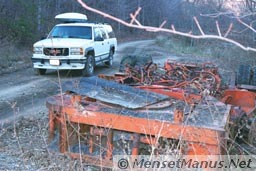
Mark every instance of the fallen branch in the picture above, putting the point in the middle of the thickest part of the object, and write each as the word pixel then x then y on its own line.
pixel 172 31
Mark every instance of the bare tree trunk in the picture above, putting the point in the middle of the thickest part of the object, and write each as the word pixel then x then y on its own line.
pixel 39 16
pixel 57 6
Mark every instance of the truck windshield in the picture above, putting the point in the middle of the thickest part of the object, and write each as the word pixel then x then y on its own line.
pixel 80 32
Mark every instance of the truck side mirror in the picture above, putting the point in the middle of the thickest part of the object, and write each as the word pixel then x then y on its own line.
pixel 44 36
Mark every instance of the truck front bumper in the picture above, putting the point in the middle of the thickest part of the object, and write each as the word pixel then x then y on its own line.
pixel 62 64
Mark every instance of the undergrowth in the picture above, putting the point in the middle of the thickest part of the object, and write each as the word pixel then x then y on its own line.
pixel 217 51
pixel 13 57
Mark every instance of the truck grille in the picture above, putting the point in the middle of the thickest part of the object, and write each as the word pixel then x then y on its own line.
pixel 56 51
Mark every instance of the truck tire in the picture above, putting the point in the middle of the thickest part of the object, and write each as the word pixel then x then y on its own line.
pixel 243 74
pixel 89 66
pixel 109 63
pixel 127 60
pixel 41 71
pixel 134 61
pixel 143 61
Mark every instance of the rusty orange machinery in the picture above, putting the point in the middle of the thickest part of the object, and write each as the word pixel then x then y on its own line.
pixel 93 110
pixel 188 82
pixel 243 100
pixel 183 81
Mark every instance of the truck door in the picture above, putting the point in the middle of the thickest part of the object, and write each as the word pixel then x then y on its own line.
pixel 105 43
pixel 98 44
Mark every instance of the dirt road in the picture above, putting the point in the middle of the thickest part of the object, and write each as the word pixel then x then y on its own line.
pixel 23 93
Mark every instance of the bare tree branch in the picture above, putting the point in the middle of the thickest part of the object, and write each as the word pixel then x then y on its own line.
pixel 134 19
pixel 229 29
pixel 246 25
pixel 218 28
pixel 163 23
pixel 198 25
pixel 135 15
pixel 215 15
pixel 172 31
pixel 173 28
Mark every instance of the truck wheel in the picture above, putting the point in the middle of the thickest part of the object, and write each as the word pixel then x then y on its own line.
pixel 134 61
pixel 89 66
pixel 244 74
pixel 109 63
pixel 127 60
pixel 41 71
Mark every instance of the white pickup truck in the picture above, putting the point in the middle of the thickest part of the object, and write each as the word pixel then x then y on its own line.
pixel 75 44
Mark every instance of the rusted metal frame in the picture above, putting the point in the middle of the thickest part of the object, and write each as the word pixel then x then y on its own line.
pixel 52 122
pixel 205 136
pixel 135 144
pixel 241 98
pixel 143 139
pixel 139 77
pixel 144 126
pixel 164 81
pixel 148 139
pixel 180 84
pixel 200 149
pixel 63 136
pixel 91 140
pixel 172 65
pixel 136 140
pixel 175 93
pixel 54 113
pixel 217 79
pixel 102 132
pixel 201 146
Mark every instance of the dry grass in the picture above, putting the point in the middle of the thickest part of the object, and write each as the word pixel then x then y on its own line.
pixel 217 51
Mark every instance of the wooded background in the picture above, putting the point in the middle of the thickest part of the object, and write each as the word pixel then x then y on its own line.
pixel 25 21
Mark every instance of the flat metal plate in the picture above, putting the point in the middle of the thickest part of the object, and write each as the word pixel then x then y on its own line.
pixel 112 92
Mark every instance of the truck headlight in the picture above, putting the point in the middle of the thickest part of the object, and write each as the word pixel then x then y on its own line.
pixel 76 51
pixel 38 50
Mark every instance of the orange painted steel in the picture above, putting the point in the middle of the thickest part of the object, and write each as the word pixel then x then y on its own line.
pixel 241 98
pixel 62 112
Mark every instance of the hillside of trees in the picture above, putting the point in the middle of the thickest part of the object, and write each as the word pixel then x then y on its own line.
pixel 25 21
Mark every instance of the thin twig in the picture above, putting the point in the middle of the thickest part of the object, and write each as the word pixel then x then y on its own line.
pixel 198 25
pixel 134 19
pixel 173 28
pixel 229 29
pixel 135 15
pixel 218 28
pixel 163 23
pixel 246 25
